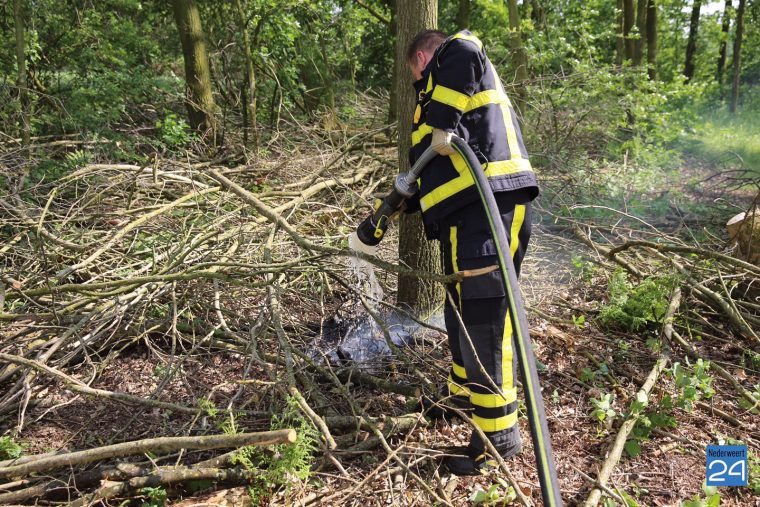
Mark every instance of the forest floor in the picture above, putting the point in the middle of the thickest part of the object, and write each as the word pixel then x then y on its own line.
pixel 240 316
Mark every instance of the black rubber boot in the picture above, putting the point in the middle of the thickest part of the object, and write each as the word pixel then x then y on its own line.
pixel 470 461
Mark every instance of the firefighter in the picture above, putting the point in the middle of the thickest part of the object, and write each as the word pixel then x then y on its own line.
pixel 458 92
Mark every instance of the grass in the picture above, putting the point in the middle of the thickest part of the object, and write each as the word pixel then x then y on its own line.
pixel 721 136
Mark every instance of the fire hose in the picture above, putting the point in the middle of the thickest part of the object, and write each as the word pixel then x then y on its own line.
pixel 372 230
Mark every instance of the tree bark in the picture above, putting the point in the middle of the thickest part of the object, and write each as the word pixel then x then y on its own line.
pixel 538 14
pixel 250 72
pixel 691 45
pixel 519 55
pixel 414 251
pixel 641 26
pixel 23 90
pixel 737 65
pixel 652 39
pixel 200 100
pixel 620 38
pixel 629 16
pixel 725 27
pixel 393 34
pixel 463 14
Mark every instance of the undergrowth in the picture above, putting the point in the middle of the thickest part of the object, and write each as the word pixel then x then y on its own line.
pixel 633 307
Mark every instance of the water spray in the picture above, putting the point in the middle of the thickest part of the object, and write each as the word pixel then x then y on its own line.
pixel 372 230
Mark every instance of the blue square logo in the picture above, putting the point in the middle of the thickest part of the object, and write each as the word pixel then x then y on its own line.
pixel 726 465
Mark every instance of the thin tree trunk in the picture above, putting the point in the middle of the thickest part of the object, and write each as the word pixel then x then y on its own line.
pixel 620 38
pixel 629 16
pixel 641 26
pixel 652 39
pixel 725 27
pixel 737 55
pixel 200 100
pixel 463 14
pixel 414 251
pixel 23 90
pixel 519 55
pixel 393 34
pixel 691 45
pixel 538 15
pixel 250 106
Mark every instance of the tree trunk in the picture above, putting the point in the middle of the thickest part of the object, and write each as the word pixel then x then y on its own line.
pixel 737 55
pixel 414 251
pixel 691 45
pixel 726 26
pixel 463 14
pixel 629 16
pixel 620 38
pixel 250 72
pixel 23 92
pixel 519 55
pixel 538 14
pixel 652 39
pixel 200 100
pixel 392 33
pixel 641 26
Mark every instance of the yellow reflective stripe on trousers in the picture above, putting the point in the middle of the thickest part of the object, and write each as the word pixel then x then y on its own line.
pixel 450 97
pixel 507 381
pixel 518 217
pixel 497 424
pixel 465 179
pixel 459 371
pixel 455 267
pixel 470 38
pixel 456 389
pixel 494 400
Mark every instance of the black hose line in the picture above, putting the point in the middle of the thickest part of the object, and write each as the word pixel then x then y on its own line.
pixel 539 430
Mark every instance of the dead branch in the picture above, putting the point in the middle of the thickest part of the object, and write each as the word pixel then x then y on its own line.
pixel 155 445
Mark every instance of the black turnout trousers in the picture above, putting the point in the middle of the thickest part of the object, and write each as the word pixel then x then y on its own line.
pixel 466 244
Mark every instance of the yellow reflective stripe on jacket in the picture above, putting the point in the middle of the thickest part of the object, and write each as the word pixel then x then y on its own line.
pixel 514 146
pixel 481 99
pixel 450 97
pixel 497 424
pixel 470 38
pixel 478 100
pixel 429 83
pixel 465 179
pixel 494 400
pixel 419 134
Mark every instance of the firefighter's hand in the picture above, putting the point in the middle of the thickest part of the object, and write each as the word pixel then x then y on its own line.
pixel 441 142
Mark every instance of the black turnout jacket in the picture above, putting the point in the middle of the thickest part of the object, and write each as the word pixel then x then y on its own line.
pixel 460 92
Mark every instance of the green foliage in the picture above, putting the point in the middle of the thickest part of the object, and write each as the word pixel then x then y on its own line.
pixel 9 448
pixel 692 383
pixel 288 463
pixel 633 307
pixel 603 411
pixel 493 495
pixel 710 498
pixel 156 497
pixel 173 131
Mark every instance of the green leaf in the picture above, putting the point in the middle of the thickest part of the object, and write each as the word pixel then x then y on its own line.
pixel 633 448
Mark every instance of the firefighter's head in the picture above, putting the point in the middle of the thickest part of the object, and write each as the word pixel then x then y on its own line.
pixel 421 50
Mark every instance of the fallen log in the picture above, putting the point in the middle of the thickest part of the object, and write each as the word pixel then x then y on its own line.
pixel 155 445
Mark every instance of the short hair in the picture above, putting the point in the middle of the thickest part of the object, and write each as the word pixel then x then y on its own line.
pixel 426 40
